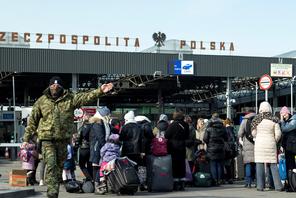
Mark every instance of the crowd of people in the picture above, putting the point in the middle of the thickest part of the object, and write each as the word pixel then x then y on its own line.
pixel 103 139
pixel 263 137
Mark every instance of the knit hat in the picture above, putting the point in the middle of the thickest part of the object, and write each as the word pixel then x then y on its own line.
pixel 285 110
pixel 129 116
pixel 114 137
pixel 103 111
pixel 56 80
pixel 265 107
pixel 141 118
pixel 163 117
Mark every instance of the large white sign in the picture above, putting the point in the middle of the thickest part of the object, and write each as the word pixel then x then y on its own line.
pixel 281 70
pixel 187 67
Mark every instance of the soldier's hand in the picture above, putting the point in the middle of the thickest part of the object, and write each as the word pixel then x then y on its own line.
pixel 106 87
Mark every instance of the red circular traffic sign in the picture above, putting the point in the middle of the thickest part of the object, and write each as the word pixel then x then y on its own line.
pixel 265 82
pixel 78 113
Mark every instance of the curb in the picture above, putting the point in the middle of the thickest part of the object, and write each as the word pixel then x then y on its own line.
pixel 17 193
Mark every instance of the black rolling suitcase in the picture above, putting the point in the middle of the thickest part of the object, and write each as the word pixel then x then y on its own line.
pixel 292 179
pixel 159 173
pixel 124 178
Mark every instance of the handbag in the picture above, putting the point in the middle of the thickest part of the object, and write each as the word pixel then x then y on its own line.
pixel 230 150
pixel 282 167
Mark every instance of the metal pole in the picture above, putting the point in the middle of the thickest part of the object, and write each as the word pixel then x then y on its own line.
pixel 292 82
pixel 74 83
pixel 256 98
pixel 266 95
pixel 292 97
pixel 14 114
pixel 228 105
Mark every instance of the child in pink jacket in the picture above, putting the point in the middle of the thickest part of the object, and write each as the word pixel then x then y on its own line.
pixel 28 155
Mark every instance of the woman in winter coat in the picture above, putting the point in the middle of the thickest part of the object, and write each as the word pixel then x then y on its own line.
pixel 97 141
pixel 131 136
pixel 84 148
pixel 266 132
pixel 177 133
pixel 248 149
pixel 232 153
pixel 161 125
pixel 200 132
pixel 215 138
pixel 288 127
pixel 146 128
pixel 145 125
pixel 191 142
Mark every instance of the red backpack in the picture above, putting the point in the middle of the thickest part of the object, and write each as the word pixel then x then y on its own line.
pixel 159 146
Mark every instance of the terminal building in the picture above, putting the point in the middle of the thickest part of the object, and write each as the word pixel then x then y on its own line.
pixel 150 82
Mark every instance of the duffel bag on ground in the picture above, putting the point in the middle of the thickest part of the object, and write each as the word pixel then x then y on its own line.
pixel 202 179
pixel 88 187
pixel 72 186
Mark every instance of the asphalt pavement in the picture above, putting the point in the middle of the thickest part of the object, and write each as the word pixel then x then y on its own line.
pixel 235 190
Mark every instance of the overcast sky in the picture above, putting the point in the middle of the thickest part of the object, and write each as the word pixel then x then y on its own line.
pixel 256 27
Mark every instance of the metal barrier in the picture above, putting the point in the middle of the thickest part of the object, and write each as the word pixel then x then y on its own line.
pixel 10 144
pixel 12 149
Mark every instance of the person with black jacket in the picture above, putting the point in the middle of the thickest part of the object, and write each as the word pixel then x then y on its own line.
pixel 131 136
pixel 215 137
pixel 97 141
pixel 177 133
pixel 84 148
pixel 161 125
pixel 146 128
pixel 288 127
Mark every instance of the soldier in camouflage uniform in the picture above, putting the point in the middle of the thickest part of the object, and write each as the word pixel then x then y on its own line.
pixel 52 119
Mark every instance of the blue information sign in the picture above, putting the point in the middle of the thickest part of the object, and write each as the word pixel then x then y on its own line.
pixel 180 67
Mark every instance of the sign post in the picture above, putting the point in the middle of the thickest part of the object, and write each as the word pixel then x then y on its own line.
pixel 265 83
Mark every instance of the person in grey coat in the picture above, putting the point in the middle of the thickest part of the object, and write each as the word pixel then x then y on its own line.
pixel 248 150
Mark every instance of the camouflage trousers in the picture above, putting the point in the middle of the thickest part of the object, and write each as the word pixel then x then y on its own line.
pixel 54 154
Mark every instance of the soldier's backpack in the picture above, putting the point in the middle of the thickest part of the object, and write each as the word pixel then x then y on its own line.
pixel 248 131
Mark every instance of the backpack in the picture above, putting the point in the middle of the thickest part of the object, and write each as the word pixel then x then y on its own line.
pixel 248 131
pixel 159 145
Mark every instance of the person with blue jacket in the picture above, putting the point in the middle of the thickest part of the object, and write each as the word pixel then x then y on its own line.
pixel 288 127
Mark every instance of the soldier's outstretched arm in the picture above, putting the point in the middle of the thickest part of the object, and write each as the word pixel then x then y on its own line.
pixel 84 98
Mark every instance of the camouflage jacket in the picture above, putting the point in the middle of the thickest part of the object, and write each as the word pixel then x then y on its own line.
pixel 53 119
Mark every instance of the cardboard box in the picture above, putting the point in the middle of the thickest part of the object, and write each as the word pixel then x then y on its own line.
pixel 18 178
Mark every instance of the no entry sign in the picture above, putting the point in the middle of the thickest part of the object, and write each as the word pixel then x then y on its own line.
pixel 265 82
